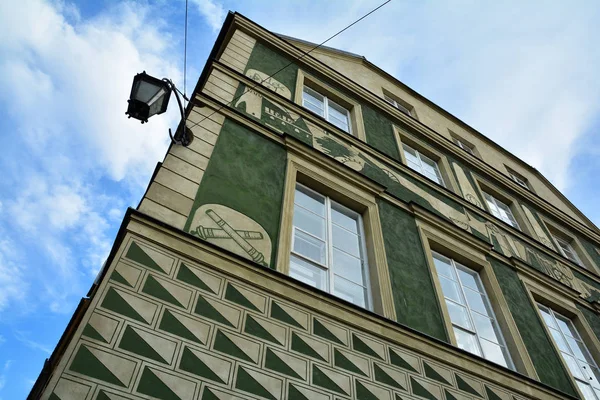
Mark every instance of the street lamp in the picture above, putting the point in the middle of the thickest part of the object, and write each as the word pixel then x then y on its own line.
pixel 150 96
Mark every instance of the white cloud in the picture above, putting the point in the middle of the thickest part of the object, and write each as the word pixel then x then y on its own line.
pixel 212 11
pixel 5 369
pixel 13 285
pixel 23 337
pixel 65 83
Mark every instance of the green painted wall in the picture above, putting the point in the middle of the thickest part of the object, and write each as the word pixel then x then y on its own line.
pixel 246 172
pixel 545 359
pixel 268 61
pixel 591 250
pixel 416 302
pixel 592 318
pixel 380 132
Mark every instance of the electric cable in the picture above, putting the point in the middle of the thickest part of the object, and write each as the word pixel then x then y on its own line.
pixel 287 65
pixel 185 52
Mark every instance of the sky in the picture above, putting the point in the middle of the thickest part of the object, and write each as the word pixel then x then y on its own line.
pixel 522 73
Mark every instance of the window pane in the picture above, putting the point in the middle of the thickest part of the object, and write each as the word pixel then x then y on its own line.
pixel 476 302
pixel 314 109
pixel 485 328
pixel 566 326
pixel 414 166
pixel 578 350
pixel 337 111
pixel 493 352
pixel 573 367
pixel 339 217
pixel 310 201
pixel 592 374
pixel 586 390
pixel 559 340
pixel 309 246
pixel 344 240
pixel 451 290
pixel 458 315
pixel 308 273
pixel 469 279
pixel 309 222
pixel 343 126
pixel 410 153
pixel 466 341
pixel 312 95
pixel 348 267
pixel 548 319
pixel 349 291
pixel 443 267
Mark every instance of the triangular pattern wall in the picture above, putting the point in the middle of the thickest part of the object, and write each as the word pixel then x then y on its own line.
pixel 169 329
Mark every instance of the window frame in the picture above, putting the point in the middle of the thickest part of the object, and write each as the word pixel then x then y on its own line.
pixel 518 179
pixel 405 138
pixel 556 316
pixel 456 266
pixel 490 198
pixel 399 104
pixel 556 230
pixel 545 294
pixel 355 120
pixel 420 156
pixel 330 204
pixel 464 144
pixel 510 202
pixel 459 245
pixel 351 190
pixel 326 107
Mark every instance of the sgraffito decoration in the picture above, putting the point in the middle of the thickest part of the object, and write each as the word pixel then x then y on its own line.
pixel 277 116
pixel 233 231
pixel 168 328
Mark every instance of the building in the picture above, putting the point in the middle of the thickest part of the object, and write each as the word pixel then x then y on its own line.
pixel 331 234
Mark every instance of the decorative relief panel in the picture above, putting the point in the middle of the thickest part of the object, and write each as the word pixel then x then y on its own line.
pixel 174 330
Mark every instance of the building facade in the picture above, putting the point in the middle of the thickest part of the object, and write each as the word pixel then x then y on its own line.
pixel 331 234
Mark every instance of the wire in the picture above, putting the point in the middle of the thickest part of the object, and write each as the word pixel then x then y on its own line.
pixel 287 65
pixel 185 51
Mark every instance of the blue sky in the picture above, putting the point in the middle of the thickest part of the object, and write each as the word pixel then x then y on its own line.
pixel 523 74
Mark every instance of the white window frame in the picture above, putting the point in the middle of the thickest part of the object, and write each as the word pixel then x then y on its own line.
pixel 327 103
pixel 397 105
pixel 421 157
pixel 512 221
pixel 328 266
pixel 558 241
pixel 584 380
pixel 487 303
pixel 464 146
pixel 519 180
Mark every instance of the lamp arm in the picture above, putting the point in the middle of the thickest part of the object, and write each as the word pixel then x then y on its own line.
pixel 186 135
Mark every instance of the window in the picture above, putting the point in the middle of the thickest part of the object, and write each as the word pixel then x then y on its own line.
pixel 327 249
pixel 466 147
pixel 473 321
pixel 397 104
pixel 519 179
pixel 422 164
pixel 574 352
pixel 565 248
pixel 326 108
pixel 500 210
